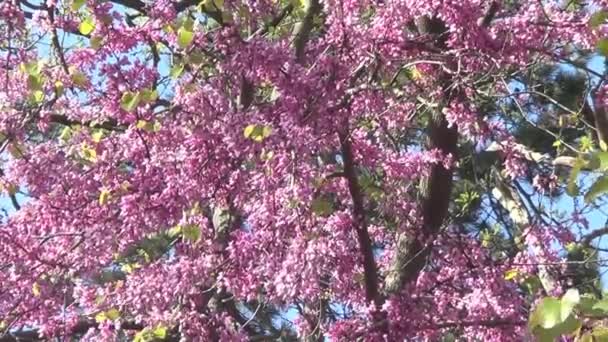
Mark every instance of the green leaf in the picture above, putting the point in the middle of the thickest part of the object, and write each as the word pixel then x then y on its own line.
pixel 32 68
pixel 37 96
pixel 598 188
pixel 129 101
pixel 149 95
pixel 599 159
pixel 322 206
pixel 586 306
pixel 598 18
pixel 572 187
pixel 160 332
pixel 89 154
pixel 77 4
pixel 547 313
pixel 66 134
pixel 110 315
pixel 601 305
pixel 586 144
pixel 570 326
pixel 257 133
pixel 532 284
pixel 175 231
pixel 113 314
pixel 176 70
pixel 34 82
pixel 600 334
pixel 128 268
pixel 148 126
pixel 191 232
pixel 86 26
pixel 184 37
pixel 602 46
pixel 58 88
pixel 97 136
pixel 511 274
pixel 104 196
pixel 101 317
pixel 587 337
pixel 570 299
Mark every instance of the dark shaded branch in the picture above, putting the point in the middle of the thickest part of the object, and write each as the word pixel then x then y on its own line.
pixel 110 124
pixel 412 251
pixel 587 239
pixel 302 34
pixel 489 15
pixel 372 293
pixel 79 329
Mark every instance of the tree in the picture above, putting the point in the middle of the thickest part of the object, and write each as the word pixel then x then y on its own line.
pixel 301 170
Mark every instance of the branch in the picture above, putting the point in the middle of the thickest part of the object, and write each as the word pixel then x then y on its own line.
pixel 369 266
pixel 489 15
pixel 79 329
pixel 110 124
pixel 587 239
pixel 412 252
pixel 302 34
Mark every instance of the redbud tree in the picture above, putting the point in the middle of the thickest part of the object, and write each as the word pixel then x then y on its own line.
pixel 310 170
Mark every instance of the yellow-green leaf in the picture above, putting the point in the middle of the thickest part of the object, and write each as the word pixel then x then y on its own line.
pixel 38 96
pixel 598 18
pixel 176 70
pixel 32 68
pixel 547 313
pixel 160 332
pixel 77 4
pixel 113 314
pixel 322 206
pixel 600 334
pixel 511 274
pixel 34 82
pixel 569 300
pixel 97 136
pixel 184 37
pixel 148 126
pixel 257 132
pixel 602 46
pixel 129 267
pixel 66 134
pixel 415 73
pixel 175 231
pixel 129 101
pixel 598 188
pixel 104 196
pixel 86 26
pixel 248 131
pixel 58 88
pixel 191 232
pixel 149 95
pixel 89 154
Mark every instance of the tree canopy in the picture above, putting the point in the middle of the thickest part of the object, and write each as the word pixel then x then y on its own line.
pixel 303 170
